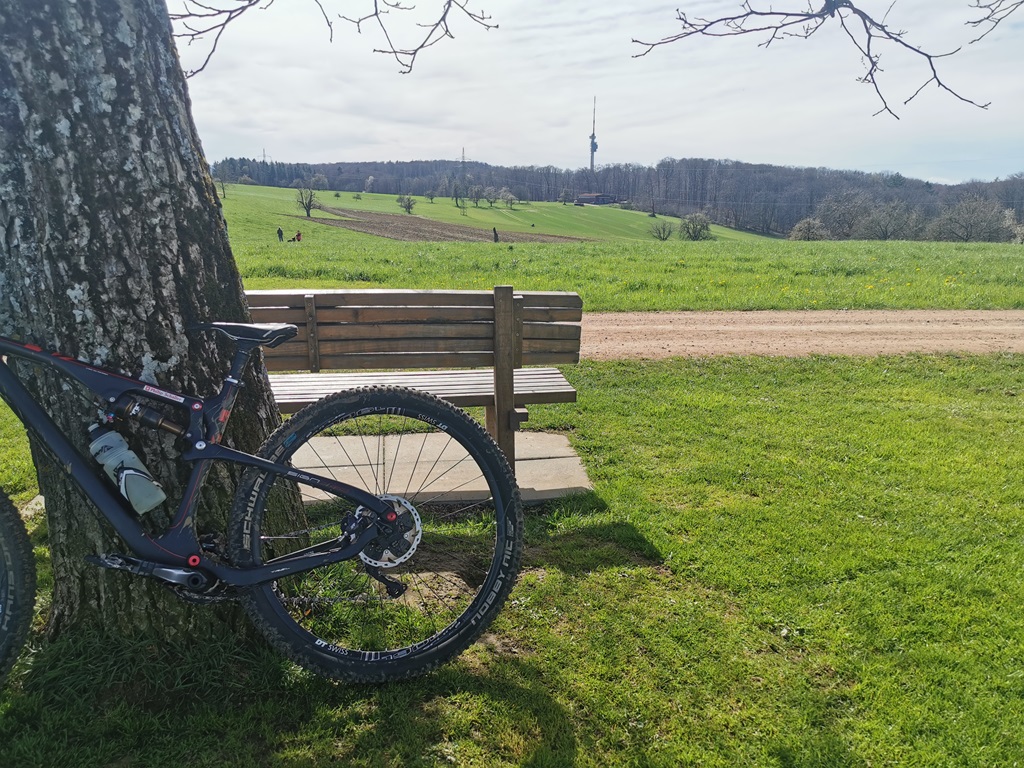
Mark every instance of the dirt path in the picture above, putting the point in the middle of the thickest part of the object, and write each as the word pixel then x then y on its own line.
pixel 609 336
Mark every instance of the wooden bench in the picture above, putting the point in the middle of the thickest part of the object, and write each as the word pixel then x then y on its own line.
pixel 466 347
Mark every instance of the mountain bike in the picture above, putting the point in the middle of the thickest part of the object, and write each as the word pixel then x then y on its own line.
pixel 374 536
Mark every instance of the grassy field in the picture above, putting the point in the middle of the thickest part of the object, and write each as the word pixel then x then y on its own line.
pixel 590 222
pixel 784 562
pixel 806 562
pixel 624 273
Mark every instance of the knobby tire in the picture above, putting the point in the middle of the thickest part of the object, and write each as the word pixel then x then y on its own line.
pixel 457 560
pixel 17 584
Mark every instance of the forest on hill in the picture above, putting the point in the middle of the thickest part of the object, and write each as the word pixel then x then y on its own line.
pixel 803 203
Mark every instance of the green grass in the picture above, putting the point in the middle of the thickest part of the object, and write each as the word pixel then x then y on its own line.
pixel 811 562
pixel 621 273
pixel 590 222
pixel 19 475
pixel 784 562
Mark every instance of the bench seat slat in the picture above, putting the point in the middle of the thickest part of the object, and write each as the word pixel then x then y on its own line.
pixel 463 388
pixel 528 379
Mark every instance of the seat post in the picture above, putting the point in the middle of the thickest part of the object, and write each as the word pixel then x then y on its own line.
pixel 243 351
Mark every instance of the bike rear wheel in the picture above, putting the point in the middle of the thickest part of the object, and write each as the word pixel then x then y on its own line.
pixel 17 585
pixel 455 558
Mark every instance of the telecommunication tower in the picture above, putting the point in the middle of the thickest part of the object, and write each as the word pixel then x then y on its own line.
pixel 593 137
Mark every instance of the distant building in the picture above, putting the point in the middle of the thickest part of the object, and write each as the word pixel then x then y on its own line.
pixel 594 198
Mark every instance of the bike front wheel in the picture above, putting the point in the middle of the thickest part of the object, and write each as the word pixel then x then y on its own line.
pixel 408 602
pixel 17 585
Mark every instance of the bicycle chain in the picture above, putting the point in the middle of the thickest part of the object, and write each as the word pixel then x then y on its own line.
pixel 297 534
pixel 310 602
pixel 303 602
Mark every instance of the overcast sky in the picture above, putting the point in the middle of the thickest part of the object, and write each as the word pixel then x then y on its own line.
pixel 523 94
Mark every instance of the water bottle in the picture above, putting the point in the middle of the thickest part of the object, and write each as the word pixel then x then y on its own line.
pixel 125 469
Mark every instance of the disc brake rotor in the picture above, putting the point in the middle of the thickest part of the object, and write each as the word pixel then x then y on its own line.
pixel 398 546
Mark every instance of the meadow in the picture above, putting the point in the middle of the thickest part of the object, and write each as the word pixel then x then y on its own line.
pixel 784 562
pixel 617 273
pixel 591 222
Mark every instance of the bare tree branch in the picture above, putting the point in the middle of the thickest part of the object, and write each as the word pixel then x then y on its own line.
pixel 993 14
pixel 868 35
pixel 435 31
pixel 199 20
pixel 204 21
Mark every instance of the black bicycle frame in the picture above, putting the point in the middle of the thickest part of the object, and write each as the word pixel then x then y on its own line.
pixel 178 546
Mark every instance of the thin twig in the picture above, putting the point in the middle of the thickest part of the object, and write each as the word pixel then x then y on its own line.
pixel 868 35
pixel 993 14
pixel 435 31
pixel 204 21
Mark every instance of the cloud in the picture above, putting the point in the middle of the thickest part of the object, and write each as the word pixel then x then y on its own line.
pixel 522 94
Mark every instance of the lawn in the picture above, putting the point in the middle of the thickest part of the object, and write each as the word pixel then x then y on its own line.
pixel 809 562
pixel 784 562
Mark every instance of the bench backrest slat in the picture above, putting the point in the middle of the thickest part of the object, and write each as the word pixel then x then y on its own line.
pixel 362 298
pixel 410 297
pixel 564 331
pixel 551 315
pixel 292 356
pixel 392 329
pixel 392 346
pixel 484 332
pixel 404 360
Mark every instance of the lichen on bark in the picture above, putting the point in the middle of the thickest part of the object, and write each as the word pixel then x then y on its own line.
pixel 112 246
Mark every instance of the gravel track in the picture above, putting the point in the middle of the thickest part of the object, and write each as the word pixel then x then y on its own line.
pixel 651 335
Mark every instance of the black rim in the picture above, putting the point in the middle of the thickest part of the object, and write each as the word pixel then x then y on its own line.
pixel 461 562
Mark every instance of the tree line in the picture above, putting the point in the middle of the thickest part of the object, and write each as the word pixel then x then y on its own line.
pixel 804 203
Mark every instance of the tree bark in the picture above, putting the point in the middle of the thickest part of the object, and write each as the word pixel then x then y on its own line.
pixel 112 245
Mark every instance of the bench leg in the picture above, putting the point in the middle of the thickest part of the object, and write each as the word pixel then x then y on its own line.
pixel 501 436
pixel 504 430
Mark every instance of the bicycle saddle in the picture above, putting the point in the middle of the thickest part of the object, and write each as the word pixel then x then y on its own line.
pixel 265 334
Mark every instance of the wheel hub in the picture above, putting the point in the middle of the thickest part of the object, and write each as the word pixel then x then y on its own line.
pixel 394 548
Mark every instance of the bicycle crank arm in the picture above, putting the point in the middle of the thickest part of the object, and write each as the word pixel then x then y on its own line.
pixel 189 578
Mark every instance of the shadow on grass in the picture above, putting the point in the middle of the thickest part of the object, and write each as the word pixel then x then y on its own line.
pixel 506 710
pixel 823 750
pixel 563 537
pixel 100 699
pixel 104 700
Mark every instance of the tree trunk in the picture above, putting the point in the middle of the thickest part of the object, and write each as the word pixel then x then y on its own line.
pixel 112 244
